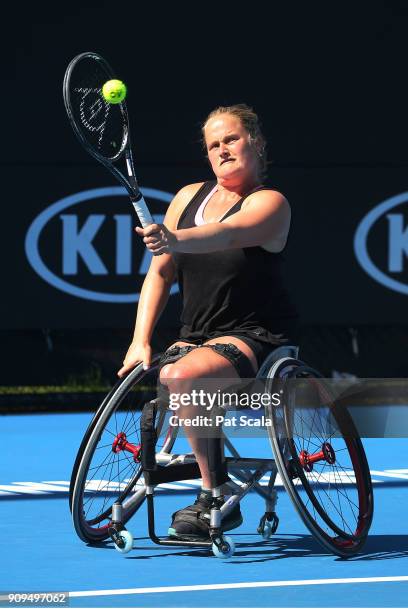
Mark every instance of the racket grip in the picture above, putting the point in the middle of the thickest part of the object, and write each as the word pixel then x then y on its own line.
pixel 142 211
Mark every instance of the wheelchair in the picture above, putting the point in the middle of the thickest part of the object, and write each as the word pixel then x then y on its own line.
pixel 126 453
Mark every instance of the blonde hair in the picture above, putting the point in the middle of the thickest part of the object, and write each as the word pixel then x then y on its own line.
pixel 249 120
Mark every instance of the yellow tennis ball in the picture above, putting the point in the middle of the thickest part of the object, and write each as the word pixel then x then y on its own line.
pixel 114 91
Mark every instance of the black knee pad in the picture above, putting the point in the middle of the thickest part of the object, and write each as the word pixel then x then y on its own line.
pixel 236 357
pixel 173 354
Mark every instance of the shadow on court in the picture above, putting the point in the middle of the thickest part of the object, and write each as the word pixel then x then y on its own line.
pixel 377 548
pixel 246 552
pixel 382 548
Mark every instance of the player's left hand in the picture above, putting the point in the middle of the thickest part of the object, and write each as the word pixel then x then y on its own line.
pixel 157 238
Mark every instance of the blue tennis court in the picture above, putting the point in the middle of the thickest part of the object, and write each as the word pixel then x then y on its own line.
pixel 259 202
pixel 41 552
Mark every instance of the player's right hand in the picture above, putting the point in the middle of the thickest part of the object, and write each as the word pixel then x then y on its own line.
pixel 137 353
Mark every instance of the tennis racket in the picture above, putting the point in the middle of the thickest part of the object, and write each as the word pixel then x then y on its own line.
pixel 101 127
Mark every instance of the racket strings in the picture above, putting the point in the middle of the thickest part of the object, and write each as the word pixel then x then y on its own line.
pixel 97 111
pixel 102 125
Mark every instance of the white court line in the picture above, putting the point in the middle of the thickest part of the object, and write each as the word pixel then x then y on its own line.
pixel 236 585
pixel 50 487
pixel 400 474
pixel 404 471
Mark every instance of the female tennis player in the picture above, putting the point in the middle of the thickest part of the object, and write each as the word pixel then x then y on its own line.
pixel 223 240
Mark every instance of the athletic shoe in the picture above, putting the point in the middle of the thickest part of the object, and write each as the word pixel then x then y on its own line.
pixel 193 522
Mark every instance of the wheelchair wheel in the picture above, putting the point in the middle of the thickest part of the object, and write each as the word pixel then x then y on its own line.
pixel 320 458
pixel 107 468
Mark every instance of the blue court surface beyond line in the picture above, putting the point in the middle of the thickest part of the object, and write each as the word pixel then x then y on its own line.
pixel 40 550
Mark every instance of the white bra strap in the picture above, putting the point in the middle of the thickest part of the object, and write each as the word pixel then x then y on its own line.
pixel 198 219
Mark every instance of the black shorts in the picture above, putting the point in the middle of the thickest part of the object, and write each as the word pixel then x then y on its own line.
pixel 230 351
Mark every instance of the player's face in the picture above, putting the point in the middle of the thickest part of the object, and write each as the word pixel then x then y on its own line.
pixel 230 150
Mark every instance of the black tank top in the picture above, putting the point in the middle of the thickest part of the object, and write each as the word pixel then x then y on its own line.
pixel 237 290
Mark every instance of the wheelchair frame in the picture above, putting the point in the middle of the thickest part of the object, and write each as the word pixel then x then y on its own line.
pixel 168 467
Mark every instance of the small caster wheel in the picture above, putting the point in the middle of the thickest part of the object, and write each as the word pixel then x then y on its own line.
pixel 226 548
pixel 274 522
pixel 268 525
pixel 266 530
pixel 124 542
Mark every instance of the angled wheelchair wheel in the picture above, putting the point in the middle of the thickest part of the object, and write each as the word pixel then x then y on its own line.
pixel 320 458
pixel 108 467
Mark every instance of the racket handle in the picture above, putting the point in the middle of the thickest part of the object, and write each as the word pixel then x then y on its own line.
pixel 142 211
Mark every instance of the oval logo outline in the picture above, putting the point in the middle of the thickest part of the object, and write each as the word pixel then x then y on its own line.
pixel 360 243
pixel 34 231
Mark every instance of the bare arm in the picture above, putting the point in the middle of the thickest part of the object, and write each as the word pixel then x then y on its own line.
pixel 265 220
pixel 155 290
pixel 153 297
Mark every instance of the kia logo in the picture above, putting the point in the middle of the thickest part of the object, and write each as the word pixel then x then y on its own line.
pixel 391 245
pixel 73 240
